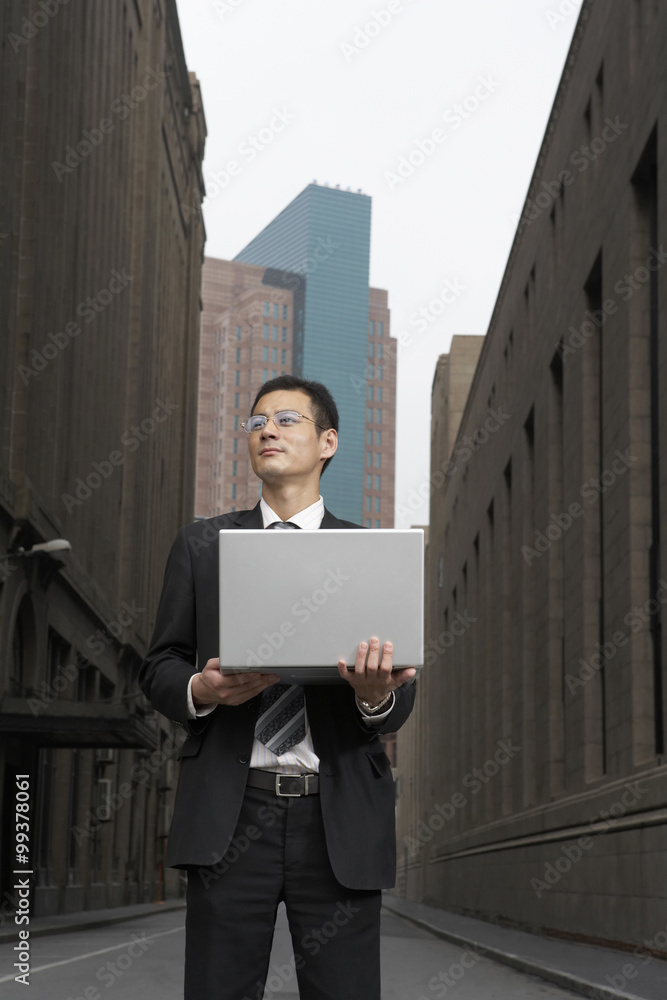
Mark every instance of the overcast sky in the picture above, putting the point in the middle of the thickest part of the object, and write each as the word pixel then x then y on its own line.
pixel 346 92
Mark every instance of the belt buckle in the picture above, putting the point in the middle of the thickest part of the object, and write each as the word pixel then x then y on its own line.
pixel 288 795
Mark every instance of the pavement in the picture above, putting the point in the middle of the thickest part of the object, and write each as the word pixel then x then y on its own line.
pixel 585 969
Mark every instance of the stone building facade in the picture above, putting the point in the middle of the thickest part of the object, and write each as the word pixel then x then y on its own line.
pixel 533 774
pixel 102 135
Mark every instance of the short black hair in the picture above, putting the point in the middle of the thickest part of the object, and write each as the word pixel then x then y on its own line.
pixel 325 410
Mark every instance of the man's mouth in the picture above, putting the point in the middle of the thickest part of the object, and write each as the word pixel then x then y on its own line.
pixel 270 451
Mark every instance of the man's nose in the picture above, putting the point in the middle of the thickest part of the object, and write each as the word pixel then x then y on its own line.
pixel 265 432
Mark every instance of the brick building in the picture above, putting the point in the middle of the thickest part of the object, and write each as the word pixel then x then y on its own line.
pixel 101 240
pixel 533 775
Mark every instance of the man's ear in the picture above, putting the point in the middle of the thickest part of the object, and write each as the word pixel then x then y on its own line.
pixel 328 443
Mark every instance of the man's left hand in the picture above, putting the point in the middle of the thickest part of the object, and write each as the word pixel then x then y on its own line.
pixel 373 678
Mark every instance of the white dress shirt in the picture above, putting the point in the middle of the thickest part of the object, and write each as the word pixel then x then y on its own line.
pixel 301 757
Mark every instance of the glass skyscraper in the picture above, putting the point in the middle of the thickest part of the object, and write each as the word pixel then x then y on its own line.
pixel 323 239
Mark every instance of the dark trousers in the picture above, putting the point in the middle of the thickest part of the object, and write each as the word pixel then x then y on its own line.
pixel 279 854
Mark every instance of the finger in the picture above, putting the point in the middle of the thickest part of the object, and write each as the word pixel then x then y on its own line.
pixel 373 655
pixel 387 661
pixel 403 675
pixel 360 660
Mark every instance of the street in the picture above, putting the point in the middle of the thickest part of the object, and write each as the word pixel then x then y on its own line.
pixel 143 960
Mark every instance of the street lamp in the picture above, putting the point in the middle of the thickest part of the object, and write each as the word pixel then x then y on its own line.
pixel 55 545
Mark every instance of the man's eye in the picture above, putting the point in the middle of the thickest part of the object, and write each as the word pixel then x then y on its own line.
pixel 255 425
pixel 286 419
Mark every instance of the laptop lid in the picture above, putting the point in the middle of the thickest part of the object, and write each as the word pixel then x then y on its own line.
pixel 295 602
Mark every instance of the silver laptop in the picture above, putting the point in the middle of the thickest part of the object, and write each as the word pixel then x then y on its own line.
pixel 295 602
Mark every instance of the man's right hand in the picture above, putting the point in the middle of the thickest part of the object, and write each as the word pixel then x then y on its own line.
pixel 210 687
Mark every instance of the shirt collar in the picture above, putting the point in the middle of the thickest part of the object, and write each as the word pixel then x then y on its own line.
pixel 310 517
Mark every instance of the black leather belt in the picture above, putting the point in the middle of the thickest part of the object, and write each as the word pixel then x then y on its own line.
pixel 287 785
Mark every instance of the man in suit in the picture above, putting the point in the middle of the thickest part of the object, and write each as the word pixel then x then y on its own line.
pixel 285 793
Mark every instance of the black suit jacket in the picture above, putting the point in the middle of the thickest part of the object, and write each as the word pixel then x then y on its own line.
pixel 356 784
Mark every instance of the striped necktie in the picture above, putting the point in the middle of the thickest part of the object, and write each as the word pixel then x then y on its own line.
pixel 281 722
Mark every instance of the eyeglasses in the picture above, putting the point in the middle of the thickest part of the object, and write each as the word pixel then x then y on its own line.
pixel 284 418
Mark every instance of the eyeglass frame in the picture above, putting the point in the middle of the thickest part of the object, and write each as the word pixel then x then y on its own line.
pixel 304 416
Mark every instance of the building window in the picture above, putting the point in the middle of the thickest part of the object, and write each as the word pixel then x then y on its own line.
pixel 284 312
pixel 378 439
pixel 237 377
pixel 368 503
pixel 233 491
pixel 275 310
pixel 236 423
pixel 379 350
pixel 266 308
pixel 275 333
pixel 368 522
pixel 378 460
pixel 236 400
pixel 368 480
pixel 369 458
pixel 284 334
pixel 378 373
pixel 266 331
pixel 265 354
pixel 283 357
pixel 369 437
pixel 273 374
pixel 238 332
pixel 380 329
pixel 369 418
pixel 235 446
pixel 238 355
pixel 234 466
pixel 377 523
pixel 371 348
pixel 379 394
pixel 378 416
pixel 372 328
pixel 377 505
pixel 377 482
pixel 370 393
pixel 274 355
pixel 265 375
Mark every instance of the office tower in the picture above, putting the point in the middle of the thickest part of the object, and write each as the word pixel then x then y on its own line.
pixel 323 239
